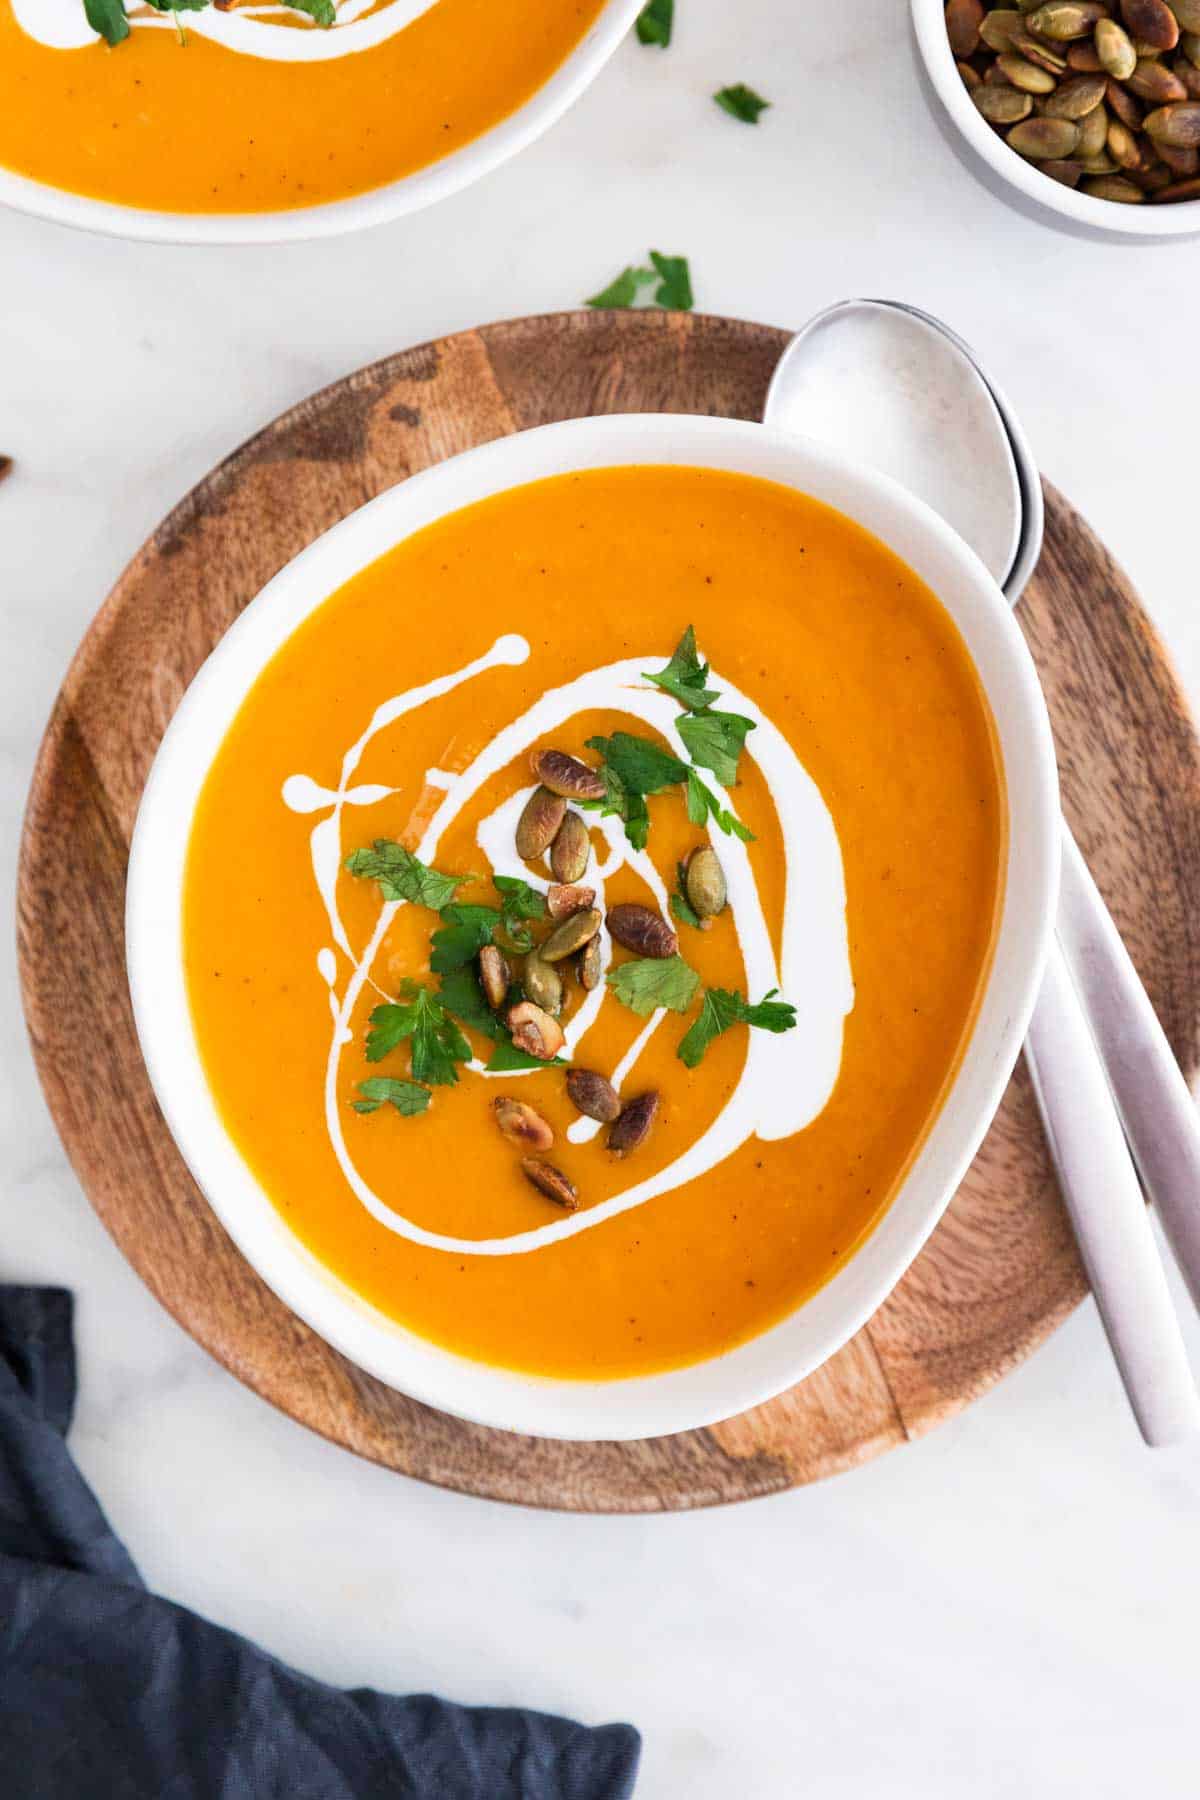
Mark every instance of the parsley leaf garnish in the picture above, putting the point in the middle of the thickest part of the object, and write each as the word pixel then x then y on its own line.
pixel 702 806
pixel 685 675
pixel 506 1058
pixel 623 290
pixel 655 22
pixel 652 981
pixel 108 18
pixel 714 740
pixel 403 876
pixel 723 1007
pixel 437 1043
pixel 518 902
pixel 466 929
pixel 460 993
pixel 741 102
pixel 675 288
pixel 681 906
pixel 383 1090
pixel 633 767
pixel 322 11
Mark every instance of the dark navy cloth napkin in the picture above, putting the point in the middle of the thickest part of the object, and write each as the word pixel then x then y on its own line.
pixel 107 1693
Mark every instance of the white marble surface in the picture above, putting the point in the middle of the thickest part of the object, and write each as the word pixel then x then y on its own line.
pixel 1006 1609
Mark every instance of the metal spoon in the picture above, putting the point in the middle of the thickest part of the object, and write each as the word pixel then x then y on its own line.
pixel 965 453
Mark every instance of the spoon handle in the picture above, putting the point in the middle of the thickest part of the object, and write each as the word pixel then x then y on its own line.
pixel 1112 1225
pixel 1156 1107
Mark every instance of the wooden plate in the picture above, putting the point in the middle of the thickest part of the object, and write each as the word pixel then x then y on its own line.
pixel 1001 1270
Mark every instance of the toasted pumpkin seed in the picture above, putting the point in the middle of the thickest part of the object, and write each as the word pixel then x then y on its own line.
pixel 1188 75
pixel 704 883
pixel 567 776
pixel 1075 98
pixel 971 78
pixel 543 984
pixel 1114 47
pixel 1121 102
pixel 521 1124
pixel 562 901
pixel 641 930
pixel 1122 145
pixel 1002 105
pixel 1187 12
pixel 1182 160
pixel 534 1031
pixel 1154 82
pixel 1035 51
pixel 571 850
pixel 1113 187
pixel 571 935
pixel 589 965
pixel 593 1096
pixel 963 19
pixel 1063 20
pixel 1151 22
pixel 539 822
pixel 1093 133
pixel 633 1127
pixel 1176 126
pixel 998 27
pixel 1067 173
pixel 550 1181
pixel 1178 190
pixel 1082 56
pixel 1025 75
pixel 1189 44
pixel 495 976
pixel 1038 139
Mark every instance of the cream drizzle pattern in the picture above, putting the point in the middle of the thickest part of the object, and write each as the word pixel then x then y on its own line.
pixel 250 30
pixel 787 1079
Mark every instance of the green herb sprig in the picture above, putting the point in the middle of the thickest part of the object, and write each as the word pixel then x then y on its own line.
pixel 437 1045
pixel 407 1097
pixel 673 293
pixel 108 17
pixel 403 876
pixel 723 1007
pixel 655 23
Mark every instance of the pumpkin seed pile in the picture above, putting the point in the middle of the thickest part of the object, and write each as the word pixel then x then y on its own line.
pixel 549 829
pixel 1100 97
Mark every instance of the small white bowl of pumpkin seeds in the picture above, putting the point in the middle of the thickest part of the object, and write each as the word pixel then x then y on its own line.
pixel 1089 109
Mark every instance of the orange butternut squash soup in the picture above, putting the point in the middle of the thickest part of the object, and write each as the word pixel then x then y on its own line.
pixel 247 107
pixel 588 908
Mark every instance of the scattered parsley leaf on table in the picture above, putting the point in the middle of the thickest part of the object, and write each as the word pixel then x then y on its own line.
pixel 383 1090
pixel 623 291
pixel 723 1007
pixel 714 740
pixel 741 102
pixel 685 675
pixel 436 1041
pixel 403 876
pixel 460 993
pixel 655 22
pixel 108 18
pixel 675 289
pixel 646 983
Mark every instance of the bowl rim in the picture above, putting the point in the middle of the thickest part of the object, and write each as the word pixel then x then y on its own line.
pixel 375 206
pixel 929 26
pixel 753 1372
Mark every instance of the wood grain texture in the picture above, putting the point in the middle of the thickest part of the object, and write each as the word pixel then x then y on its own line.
pixel 1001 1270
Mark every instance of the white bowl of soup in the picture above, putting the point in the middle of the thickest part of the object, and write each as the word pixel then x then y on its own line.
pixel 348 817
pixel 254 123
